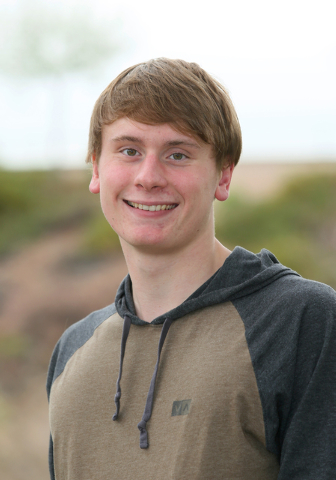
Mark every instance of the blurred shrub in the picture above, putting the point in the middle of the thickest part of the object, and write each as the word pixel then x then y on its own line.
pixel 32 203
pixel 99 238
pixel 37 202
pixel 5 410
pixel 298 226
pixel 15 346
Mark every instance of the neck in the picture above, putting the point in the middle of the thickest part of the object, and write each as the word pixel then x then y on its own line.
pixel 162 282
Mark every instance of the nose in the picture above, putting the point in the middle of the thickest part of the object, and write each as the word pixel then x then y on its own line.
pixel 151 173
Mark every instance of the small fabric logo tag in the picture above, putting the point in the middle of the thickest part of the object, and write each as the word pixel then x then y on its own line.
pixel 181 407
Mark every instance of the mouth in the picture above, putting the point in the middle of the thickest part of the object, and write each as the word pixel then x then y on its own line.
pixel 151 208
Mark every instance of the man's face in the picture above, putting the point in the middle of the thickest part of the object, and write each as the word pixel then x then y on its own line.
pixel 157 186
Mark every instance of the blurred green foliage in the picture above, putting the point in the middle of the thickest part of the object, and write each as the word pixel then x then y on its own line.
pixel 13 346
pixel 99 238
pixel 36 202
pixel 5 410
pixel 298 226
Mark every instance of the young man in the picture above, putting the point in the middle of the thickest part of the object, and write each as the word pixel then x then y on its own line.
pixel 224 361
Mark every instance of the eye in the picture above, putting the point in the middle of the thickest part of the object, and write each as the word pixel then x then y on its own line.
pixel 178 156
pixel 130 152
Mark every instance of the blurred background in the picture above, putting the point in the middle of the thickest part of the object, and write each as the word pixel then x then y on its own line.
pixel 59 259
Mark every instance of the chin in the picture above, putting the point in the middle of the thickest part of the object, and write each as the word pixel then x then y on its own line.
pixel 153 243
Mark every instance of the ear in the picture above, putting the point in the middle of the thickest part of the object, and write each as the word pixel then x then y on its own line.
pixel 223 187
pixel 94 186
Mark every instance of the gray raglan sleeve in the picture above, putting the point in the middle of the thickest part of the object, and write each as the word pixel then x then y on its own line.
pixel 72 339
pixel 50 379
pixel 291 333
pixel 308 449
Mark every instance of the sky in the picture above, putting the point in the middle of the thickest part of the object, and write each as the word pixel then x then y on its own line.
pixel 276 59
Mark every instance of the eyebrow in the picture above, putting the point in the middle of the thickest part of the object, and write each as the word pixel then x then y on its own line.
pixel 171 143
pixel 128 138
pixel 175 143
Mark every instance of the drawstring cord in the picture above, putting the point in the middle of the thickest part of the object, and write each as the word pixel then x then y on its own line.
pixel 126 329
pixel 150 397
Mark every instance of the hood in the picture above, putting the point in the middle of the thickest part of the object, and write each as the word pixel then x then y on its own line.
pixel 242 273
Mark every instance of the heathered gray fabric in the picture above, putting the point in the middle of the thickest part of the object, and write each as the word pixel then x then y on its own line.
pixel 294 326
pixel 231 281
pixel 74 338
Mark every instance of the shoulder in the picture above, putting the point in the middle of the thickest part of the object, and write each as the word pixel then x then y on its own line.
pixel 306 299
pixel 80 332
pixel 309 314
pixel 74 338
pixel 309 289
pixel 290 296
pixel 291 321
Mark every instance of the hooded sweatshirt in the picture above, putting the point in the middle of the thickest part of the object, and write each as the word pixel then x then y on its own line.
pixel 237 382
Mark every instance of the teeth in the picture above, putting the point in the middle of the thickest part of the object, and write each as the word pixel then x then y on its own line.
pixel 151 208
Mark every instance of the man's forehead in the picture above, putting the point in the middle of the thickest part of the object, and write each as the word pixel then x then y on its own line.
pixel 125 129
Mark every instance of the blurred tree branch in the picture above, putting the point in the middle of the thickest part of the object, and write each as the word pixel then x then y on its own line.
pixel 40 41
pixel 51 41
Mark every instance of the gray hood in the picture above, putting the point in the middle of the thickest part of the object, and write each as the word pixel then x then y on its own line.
pixel 242 273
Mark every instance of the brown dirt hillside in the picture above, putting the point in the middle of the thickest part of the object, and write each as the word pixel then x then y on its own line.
pixel 42 291
pixel 261 180
pixel 42 294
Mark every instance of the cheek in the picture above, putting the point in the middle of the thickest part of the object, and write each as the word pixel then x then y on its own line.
pixel 114 181
pixel 200 186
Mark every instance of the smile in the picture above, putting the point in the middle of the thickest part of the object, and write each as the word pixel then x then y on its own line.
pixel 151 208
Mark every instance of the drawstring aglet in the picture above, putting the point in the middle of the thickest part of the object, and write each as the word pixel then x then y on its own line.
pixel 143 434
pixel 149 402
pixel 117 403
